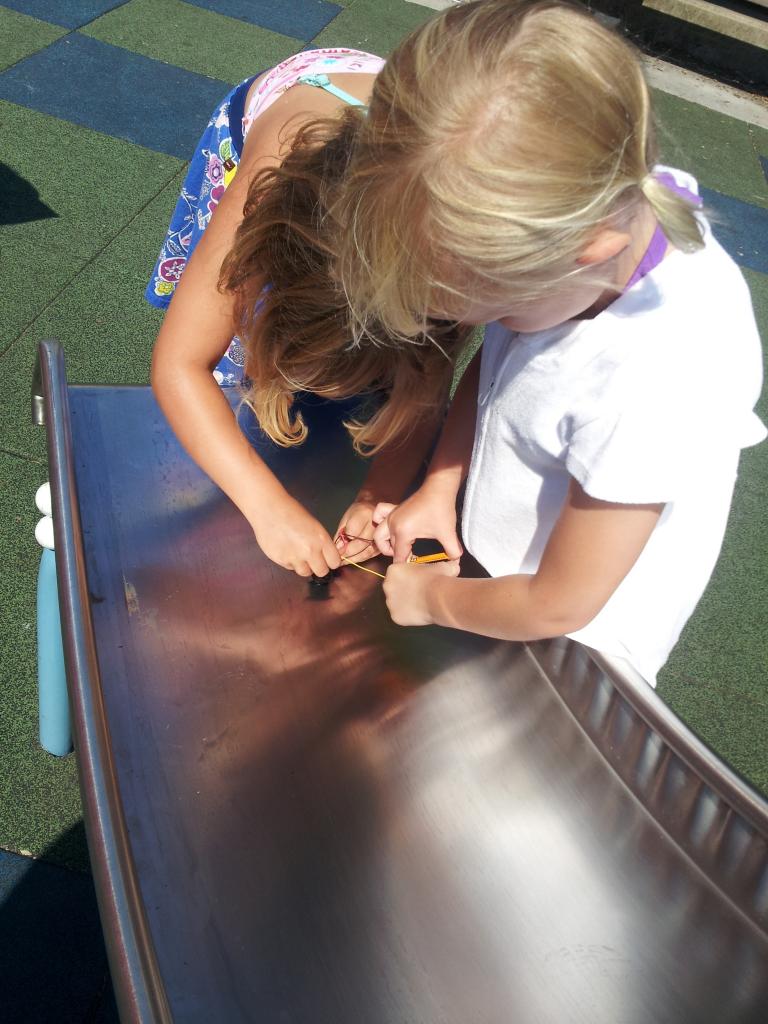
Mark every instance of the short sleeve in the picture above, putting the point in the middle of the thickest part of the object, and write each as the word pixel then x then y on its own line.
pixel 661 431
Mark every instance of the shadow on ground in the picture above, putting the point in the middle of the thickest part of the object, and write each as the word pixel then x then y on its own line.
pixel 20 201
pixel 53 964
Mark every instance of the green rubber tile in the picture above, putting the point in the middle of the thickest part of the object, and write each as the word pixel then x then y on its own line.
pixel 99 313
pixel 107 335
pixel 32 276
pixel 107 330
pixel 110 292
pixel 716 678
pixel 373 26
pixel 758 138
pixel 20 36
pixel 134 251
pixel 758 286
pixel 194 39
pixel 39 797
pixel 93 184
pixel 720 151
pixel 17 435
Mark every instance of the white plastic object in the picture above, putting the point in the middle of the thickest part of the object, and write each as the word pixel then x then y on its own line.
pixel 43 500
pixel 44 532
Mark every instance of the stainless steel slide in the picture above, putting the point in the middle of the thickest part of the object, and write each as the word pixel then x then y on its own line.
pixel 299 813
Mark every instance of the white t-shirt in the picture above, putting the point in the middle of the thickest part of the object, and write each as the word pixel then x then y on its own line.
pixel 650 401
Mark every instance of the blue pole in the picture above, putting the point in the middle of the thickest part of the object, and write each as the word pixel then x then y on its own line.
pixel 55 729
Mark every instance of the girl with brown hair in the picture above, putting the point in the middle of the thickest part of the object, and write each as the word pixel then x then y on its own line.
pixel 247 263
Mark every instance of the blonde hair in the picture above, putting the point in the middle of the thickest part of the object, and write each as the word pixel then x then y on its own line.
pixel 500 136
pixel 296 331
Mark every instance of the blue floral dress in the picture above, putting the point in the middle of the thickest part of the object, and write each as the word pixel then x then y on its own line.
pixel 211 169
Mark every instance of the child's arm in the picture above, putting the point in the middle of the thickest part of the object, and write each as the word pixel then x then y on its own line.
pixel 392 472
pixel 592 547
pixel 431 511
pixel 195 333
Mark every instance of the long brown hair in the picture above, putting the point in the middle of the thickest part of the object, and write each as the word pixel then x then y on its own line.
pixel 292 313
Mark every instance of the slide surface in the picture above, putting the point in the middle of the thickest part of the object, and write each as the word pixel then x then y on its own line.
pixel 299 812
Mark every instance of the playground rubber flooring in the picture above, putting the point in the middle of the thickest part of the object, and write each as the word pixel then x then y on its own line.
pixel 101 102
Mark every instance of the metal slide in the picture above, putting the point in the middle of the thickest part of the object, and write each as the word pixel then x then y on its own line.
pixel 299 813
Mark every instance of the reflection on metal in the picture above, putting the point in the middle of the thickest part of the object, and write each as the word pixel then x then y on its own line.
pixel 720 823
pixel 138 986
pixel 301 812
pixel 37 397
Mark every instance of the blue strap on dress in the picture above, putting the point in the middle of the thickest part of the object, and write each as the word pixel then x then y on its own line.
pixel 324 82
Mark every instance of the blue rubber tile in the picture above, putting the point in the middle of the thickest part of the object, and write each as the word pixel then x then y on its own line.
pixel 188 37
pixel 741 229
pixel 113 91
pixel 301 19
pixel 71 14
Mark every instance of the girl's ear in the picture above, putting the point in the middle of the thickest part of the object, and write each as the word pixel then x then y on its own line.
pixel 606 245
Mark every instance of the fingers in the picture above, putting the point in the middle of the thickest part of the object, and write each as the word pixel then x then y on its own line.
pixel 361 550
pixel 353 546
pixel 354 536
pixel 342 538
pixel 323 560
pixel 318 562
pixel 407 590
pixel 451 545
pixel 396 529
pixel 381 538
pixel 402 541
pixel 382 511
pixel 402 546
pixel 331 556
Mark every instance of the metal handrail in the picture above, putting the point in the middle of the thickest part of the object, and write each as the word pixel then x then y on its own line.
pixel 133 964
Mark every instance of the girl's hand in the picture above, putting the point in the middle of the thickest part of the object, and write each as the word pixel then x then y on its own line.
pixel 290 536
pixel 429 513
pixel 407 589
pixel 354 535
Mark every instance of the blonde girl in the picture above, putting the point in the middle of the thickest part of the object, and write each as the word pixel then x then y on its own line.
pixel 245 275
pixel 507 174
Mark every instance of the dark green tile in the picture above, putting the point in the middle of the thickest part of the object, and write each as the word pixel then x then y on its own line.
pixel 39 796
pixel 108 337
pixel 191 38
pixel 758 286
pixel 373 26
pixel 32 276
pixel 107 334
pixel 758 138
pixel 719 150
pixel 17 435
pixel 94 184
pixel 20 36
pixel 99 314
pixel 134 251
pixel 716 677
